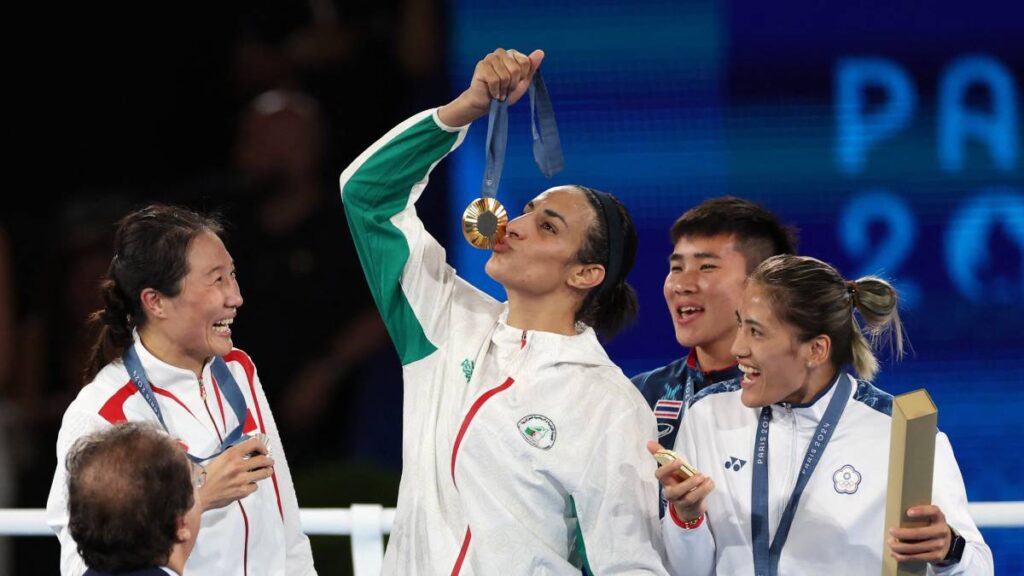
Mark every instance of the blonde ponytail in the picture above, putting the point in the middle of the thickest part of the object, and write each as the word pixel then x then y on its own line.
pixel 878 304
pixel 813 297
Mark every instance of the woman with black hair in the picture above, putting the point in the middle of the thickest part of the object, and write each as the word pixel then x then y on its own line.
pixel 164 354
pixel 523 448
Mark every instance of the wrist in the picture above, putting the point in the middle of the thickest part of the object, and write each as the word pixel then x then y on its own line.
pixel 957 543
pixel 462 111
pixel 688 524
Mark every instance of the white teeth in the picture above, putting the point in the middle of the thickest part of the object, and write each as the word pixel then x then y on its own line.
pixel 223 326
pixel 689 309
pixel 749 370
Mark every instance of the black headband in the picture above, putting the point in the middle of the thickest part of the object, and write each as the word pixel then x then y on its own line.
pixel 616 244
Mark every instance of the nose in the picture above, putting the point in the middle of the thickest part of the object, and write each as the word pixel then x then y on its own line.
pixel 234 299
pixel 739 348
pixel 682 282
pixel 517 226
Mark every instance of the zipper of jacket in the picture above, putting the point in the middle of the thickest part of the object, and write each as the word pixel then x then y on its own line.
pixel 202 394
pixel 784 495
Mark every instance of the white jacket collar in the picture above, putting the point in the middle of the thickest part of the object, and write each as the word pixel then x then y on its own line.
pixel 583 348
pixel 810 413
pixel 164 375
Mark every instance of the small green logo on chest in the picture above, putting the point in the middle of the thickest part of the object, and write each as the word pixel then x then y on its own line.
pixel 467 369
pixel 539 431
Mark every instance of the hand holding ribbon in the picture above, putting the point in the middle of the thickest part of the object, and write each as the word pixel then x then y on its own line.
pixel 501 79
pixel 503 75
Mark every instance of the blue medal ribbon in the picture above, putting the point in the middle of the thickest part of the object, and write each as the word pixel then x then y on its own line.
pixel 547 147
pixel 766 558
pixel 228 386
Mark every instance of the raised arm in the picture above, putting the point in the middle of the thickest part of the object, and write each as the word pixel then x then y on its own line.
pixel 405 267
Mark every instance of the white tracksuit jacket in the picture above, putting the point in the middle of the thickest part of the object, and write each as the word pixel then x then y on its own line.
pixel 838 527
pixel 258 535
pixel 523 452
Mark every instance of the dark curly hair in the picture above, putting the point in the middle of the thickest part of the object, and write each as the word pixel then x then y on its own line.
pixel 127 488
pixel 150 251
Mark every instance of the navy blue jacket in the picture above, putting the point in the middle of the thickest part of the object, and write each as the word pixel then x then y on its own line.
pixel 670 390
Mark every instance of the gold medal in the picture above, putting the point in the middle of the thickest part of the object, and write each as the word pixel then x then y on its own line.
pixel 685 472
pixel 484 222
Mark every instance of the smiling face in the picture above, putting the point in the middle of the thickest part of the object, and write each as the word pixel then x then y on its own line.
pixel 775 364
pixel 538 253
pixel 703 289
pixel 197 322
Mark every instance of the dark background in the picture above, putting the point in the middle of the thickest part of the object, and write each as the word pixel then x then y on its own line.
pixel 252 109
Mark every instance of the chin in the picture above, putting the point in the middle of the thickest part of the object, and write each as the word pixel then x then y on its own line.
pixel 685 340
pixel 502 275
pixel 222 349
pixel 751 400
pixel 493 270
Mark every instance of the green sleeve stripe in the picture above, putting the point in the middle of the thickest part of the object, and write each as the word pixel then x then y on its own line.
pixel 376 190
pixel 581 548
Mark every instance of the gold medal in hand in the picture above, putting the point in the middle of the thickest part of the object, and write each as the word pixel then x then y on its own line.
pixel 484 222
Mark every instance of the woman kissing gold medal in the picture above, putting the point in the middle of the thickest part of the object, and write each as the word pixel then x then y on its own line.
pixel 485 219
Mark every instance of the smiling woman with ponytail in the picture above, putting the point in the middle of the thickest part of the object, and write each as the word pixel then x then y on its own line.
pixel 151 252
pixel 164 354
pixel 821 433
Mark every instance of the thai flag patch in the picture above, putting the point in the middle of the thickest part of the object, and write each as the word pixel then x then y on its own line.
pixel 668 409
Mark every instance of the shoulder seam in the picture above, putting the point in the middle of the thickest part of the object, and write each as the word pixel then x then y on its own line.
pixel 874 398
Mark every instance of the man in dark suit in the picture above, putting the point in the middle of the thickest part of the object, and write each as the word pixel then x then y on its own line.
pixel 133 501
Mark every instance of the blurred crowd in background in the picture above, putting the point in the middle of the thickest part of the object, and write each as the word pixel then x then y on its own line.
pixel 249 110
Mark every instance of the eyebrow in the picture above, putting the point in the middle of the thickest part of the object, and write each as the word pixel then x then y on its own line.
pixel 748 321
pixel 697 256
pixel 547 212
pixel 218 268
pixel 554 214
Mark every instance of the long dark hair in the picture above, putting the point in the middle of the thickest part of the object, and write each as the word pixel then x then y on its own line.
pixel 150 251
pixel 611 305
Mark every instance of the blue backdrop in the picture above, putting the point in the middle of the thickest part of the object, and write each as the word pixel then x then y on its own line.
pixel 889 134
